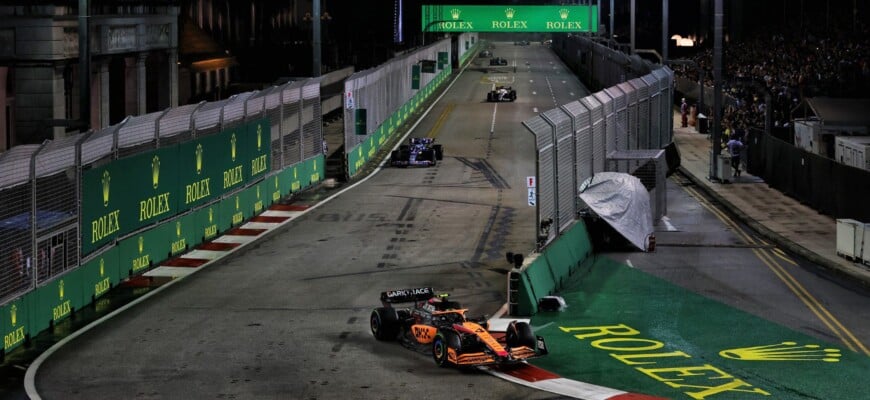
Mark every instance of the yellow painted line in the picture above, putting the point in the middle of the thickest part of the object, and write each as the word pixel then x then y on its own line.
pixel 781 254
pixel 850 338
pixel 799 290
pixel 440 122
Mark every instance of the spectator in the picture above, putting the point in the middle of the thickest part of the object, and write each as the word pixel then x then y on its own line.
pixel 735 149
pixel 684 114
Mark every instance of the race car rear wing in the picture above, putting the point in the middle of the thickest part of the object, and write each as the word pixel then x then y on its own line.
pixel 407 295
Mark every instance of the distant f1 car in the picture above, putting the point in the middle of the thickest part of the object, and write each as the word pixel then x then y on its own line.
pixel 497 61
pixel 418 152
pixel 431 320
pixel 501 93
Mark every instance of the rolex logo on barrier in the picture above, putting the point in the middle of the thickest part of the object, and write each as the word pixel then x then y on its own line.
pixel 564 23
pixel 64 308
pixel 180 244
pixel 155 171
pixel 455 12
pixel 785 351
pixel 199 189
pixel 16 335
pixel 143 260
pixel 239 216
pixel 199 158
pixel 510 23
pixel 107 179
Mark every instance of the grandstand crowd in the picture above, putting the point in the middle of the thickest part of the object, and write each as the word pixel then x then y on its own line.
pixel 788 66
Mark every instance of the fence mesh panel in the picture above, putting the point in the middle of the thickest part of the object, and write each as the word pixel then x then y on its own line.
pixel 291 124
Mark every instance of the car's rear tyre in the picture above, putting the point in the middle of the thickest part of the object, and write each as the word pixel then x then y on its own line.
pixel 439 152
pixel 444 341
pixel 520 334
pixel 384 323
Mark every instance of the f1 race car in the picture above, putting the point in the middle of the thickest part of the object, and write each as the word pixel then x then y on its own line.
pixel 432 320
pixel 501 93
pixel 497 61
pixel 418 152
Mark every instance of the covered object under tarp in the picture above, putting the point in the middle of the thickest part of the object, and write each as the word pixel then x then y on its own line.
pixel 622 201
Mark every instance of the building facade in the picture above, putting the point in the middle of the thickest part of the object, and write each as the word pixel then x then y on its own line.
pixel 133 65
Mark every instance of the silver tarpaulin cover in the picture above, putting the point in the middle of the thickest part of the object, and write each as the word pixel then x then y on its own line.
pixel 623 202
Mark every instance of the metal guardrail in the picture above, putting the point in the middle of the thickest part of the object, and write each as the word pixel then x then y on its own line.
pixel 611 130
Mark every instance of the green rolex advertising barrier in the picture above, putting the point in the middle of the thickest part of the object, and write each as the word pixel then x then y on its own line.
pixel 207 221
pixel 140 252
pixel 100 274
pixel 546 274
pixel 128 194
pixel 513 18
pixel 134 192
pixel 57 299
pixel 15 321
pixel 185 234
pixel 232 211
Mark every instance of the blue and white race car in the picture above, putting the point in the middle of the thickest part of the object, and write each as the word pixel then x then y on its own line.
pixel 421 152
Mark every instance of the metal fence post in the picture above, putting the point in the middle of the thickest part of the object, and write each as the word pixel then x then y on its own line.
pixel 31 262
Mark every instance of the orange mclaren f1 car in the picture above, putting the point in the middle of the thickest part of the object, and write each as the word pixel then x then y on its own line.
pixel 430 320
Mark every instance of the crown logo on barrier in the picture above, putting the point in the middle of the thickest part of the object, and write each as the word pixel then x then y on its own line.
pixel 294 173
pixel 563 13
pixel 155 171
pixel 178 228
pixel 60 286
pixel 107 179
pixel 509 13
pixel 199 158
pixel 237 202
pixel 13 314
pixel 276 182
pixel 141 244
pixel 233 147
pixel 785 351
pixel 259 136
pixel 102 267
pixel 258 192
pixel 455 13
pixel 210 215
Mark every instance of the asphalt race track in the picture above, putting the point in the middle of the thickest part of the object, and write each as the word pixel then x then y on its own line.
pixel 288 317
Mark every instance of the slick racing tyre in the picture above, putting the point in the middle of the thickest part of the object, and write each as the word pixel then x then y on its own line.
pixel 520 334
pixel 439 152
pixel 384 323
pixel 444 341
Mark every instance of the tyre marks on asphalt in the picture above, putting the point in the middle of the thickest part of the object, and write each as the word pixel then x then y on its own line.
pixel 483 167
pixel 403 226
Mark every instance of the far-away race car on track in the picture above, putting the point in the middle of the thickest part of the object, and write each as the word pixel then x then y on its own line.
pixel 498 61
pixel 501 93
pixel 433 321
pixel 418 152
